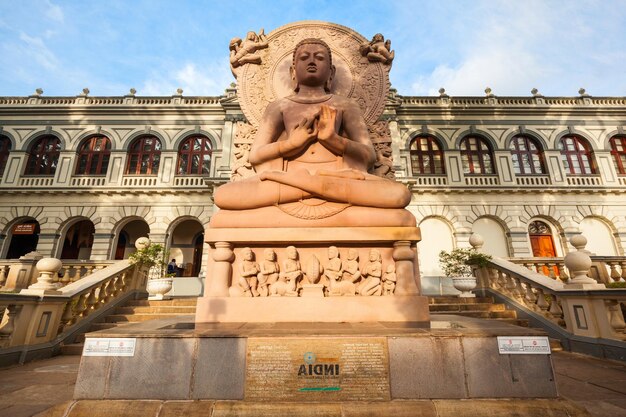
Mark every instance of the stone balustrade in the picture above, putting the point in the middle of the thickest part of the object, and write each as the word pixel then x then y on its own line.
pixel 45 311
pixel 72 270
pixel 577 302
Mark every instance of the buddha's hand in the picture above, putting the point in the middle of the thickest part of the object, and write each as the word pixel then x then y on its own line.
pixel 326 124
pixel 304 133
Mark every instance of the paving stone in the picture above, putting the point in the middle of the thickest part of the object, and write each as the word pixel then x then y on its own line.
pixel 58 410
pixel 603 408
pixel 509 408
pixel 115 408
pixel 246 409
pixel 220 371
pixel 186 409
pixel 424 408
pixel 416 370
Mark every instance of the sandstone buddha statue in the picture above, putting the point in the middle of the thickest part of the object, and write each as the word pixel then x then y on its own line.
pixel 312 154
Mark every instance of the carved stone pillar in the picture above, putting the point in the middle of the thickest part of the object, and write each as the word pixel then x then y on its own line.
pixel 218 281
pixel 405 268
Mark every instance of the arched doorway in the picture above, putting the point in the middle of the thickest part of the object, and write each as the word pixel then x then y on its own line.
pixel 186 245
pixel 78 241
pixel 436 236
pixel 541 240
pixel 24 238
pixel 125 244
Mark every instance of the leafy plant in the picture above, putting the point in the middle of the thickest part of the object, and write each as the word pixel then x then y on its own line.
pixel 619 284
pixel 152 256
pixel 460 262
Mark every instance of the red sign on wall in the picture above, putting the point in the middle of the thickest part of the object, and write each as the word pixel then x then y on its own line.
pixel 24 229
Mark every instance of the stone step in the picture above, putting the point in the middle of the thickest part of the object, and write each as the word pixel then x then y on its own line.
pixel 127 318
pixel 156 310
pixel 189 302
pixel 460 300
pixel 455 308
pixel 73 349
pixel 506 314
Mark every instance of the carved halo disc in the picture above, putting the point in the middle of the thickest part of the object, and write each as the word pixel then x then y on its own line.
pixel 365 82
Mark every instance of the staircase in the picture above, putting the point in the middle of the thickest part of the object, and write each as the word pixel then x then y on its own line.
pixel 479 307
pixel 132 312
pixel 142 310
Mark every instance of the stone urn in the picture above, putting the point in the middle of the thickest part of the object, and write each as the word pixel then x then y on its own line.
pixel 465 284
pixel 158 287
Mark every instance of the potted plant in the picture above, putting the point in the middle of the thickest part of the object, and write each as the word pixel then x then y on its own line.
pixel 459 264
pixel 153 256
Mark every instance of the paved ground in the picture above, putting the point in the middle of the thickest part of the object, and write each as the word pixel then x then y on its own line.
pixel 598 385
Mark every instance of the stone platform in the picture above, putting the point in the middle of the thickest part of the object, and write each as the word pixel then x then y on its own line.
pixel 457 358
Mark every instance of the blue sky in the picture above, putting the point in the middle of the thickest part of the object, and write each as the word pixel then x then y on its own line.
pixel 157 46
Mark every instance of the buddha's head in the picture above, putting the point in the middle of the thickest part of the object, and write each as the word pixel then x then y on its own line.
pixel 269 254
pixel 333 252
pixel 312 64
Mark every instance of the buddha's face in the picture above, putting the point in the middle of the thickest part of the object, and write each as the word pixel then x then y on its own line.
pixel 312 65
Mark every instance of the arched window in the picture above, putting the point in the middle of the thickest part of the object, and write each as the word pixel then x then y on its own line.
pixel 5 148
pixel 476 156
pixel 618 150
pixel 93 156
pixel 576 155
pixel 144 155
pixel 194 156
pixel 43 156
pixel 527 156
pixel 426 156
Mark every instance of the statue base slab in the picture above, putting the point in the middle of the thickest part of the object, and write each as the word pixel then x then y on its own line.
pixel 305 309
pixel 377 362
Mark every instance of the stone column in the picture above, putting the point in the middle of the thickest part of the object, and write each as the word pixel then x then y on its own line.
pixel 218 279
pixel 405 270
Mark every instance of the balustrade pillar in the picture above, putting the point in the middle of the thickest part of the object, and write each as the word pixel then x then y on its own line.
pixel 579 263
pixel 45 285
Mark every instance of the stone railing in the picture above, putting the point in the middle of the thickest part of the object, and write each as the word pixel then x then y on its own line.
pixel 43 313
pixel 604 269
pixel 587 180
pixel 72 270
pixel 83 100
pixel 482 180
pixel 533 180
pixel 579 304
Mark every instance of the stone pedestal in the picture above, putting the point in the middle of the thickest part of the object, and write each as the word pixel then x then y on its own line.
pixel 318 362
pixel 395 246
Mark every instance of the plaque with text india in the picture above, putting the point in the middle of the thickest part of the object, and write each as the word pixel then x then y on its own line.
pixel 317 369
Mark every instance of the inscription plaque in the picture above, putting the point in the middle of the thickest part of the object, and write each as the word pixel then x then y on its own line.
pixel 317 369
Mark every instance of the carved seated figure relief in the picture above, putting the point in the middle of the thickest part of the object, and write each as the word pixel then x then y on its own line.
pixel 313 156
pixel 289 276
pixel 268 273
pixel 248 270
pixel 371 275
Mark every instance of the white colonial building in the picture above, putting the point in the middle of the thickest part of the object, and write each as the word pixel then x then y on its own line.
pixel 83 177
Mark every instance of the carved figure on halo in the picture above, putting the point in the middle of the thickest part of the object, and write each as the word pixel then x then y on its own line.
pixel 378 50
pixel 268 274
pixel 312 144
pixel 389 280
pixel 243 51
pixel 242 167
pixel 248 270
pixel 383 167
pixel 371 275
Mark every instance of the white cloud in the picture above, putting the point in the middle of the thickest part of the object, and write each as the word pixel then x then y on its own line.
pixel 37 49
pixel 54 12
pixel 208 80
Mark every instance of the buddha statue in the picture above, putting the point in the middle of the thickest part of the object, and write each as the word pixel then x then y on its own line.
pixel 312 155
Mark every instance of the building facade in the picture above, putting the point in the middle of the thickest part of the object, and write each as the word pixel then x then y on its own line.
pixel 83 177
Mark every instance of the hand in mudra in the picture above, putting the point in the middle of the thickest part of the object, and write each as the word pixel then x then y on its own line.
pixel 304 132
pixel 326 123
